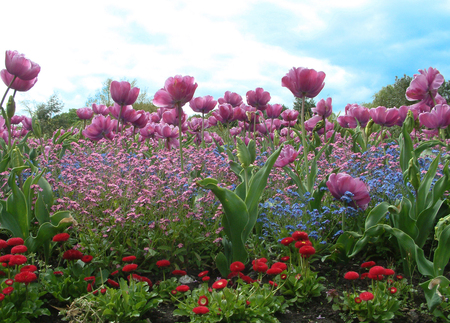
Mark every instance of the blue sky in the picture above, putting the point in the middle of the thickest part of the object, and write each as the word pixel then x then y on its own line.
pixel 235 45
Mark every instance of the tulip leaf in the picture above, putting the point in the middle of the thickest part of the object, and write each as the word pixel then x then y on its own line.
pixel 45 233
pixel 426 221
pixel 8 221
pixel 431 295
pixel 376 215
pixel 17 206
pixel 442 253
pixel 243 153
pixel 222 264
pixel 40 211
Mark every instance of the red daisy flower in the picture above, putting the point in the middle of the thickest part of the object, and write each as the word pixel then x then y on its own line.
pixel 61 237
pixel 357 300
pixel 31 268
pixel 14 242
pixel 130 267
pixel 5 258
pixel 222 283
pixel 182 288
pixel 300 235
pixel 2 297
pixel 90 279
pixel 203 273
pixel 286 241
pixel 114 273
pixel 58 273
pixel 366 296
pixel 179 272
pixel 163 263
pixel 273 283
pixel 393 290
pixel 389 272
pixel 17 260
pixel 274 271
pixel 8 290
pixel 285 258
pixel 3 244
pixel 351 275
pixel 72 254
pixel 307 251
pixel 203 300
pixel 237 266
pixel 200 310
pixel 19 249
pixel 112 283
pixel 129 258
pixel 206 278
pixel 9 282
pixel 87 259
pixel 280 265
pixel 368 264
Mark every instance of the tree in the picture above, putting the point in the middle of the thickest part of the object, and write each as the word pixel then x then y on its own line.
pixel 444 91
pixel 103 96
pixel 66 120
pixel 393 95
pixel 309 104
pixel 45 112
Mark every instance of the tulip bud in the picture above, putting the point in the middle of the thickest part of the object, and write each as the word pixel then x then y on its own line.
pixel 33 154
pixel 409 122
pixel 414 174
pixel 319 125
pixel 10 107
pixel 16 158
pixel 369 128
pixel 36 128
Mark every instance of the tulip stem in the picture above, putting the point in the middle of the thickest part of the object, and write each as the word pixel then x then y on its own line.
pixel 203 124
pixel 305 151
pixel 180 133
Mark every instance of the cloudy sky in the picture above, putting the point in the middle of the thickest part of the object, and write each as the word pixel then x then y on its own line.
pixel 235 45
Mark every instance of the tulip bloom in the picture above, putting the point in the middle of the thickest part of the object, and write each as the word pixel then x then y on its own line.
pixel 323 108
pixel 340 184
pixel 361 114
pixel 225 113
pixel 384 117
pixel 347 122
pixel 123 94
pixel 85 113
pixel 287 156
pixel 142 120
pixel 437 118
pixel 18 84
pixel 231 98
pixel 99 128
pixel 425 86
pixel 124 113
pixel 18 65
pixel 258 98
pixel 304 82
pixel 273 111
pixel 177 91
pixel 203 104
pixel 100 109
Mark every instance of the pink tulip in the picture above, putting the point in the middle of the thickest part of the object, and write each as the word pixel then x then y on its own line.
pixel 100 109
pixel 239 113
pixel 212 121
pixel 384 117
pixel 166 131
pixel 18 65
pixel 323 108
pixel 290 115
pixel 231 98
pixel 99 128
pixel 235 131
pixel 171 117
pixel 224 113
pixel 203 104
pixel 287 156
pixel 437 118
pixel 258 98
pixel 361 114
pixel 26 123
pixel 348 122
pixel 195 125
pixel 85 113
pixel 148 131
pixel 177 91
pixel 142 120
pixel 274 110
pixel 126 112
pixel 425 85
pixel 16 119
pixel 123 94
pixel 18 84
pixel 304 82
pixel 340 184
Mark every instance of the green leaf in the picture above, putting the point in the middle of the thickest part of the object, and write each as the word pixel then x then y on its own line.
pixel 442 253
pixel 17 206
pixel 376 215
pixel 8 221
pixel 222 264
pixel 243 153
pixel 424 188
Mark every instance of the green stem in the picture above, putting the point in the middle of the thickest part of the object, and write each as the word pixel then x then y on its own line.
pixel 305 149
pixel 203 125
pixel 180 135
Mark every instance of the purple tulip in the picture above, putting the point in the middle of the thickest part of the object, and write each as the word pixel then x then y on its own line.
pixel 273 111
pixel 231 98
pixel 437 118
pixel 304 82
pixel 361 114
pixel 225 113
pixel 18 84
pixel 239 113
pixel 212 121
pixel 384 117
pixel 258 98
pixel 195 125
pixel 177 91
pixel 323 108
pixel 290 115
pixel 171 117
pixel 168 132
pixel 425 85
pixel 348 122
pixel 18 65
pixel 26 123
pixel 148 131
pixel 100 109
pixel 126 113
pixel 203 104
pixel 85 113
pixel 287 156
pixel 99 128
pixel 123 94
pixel 340 185
pixel 142 120
pixel 16 119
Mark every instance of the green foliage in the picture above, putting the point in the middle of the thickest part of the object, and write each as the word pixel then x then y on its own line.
pixel 241 206
pixel 247 303
pixel 300 288
pixel 309 104
pixel 127 304
pixel 392 95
